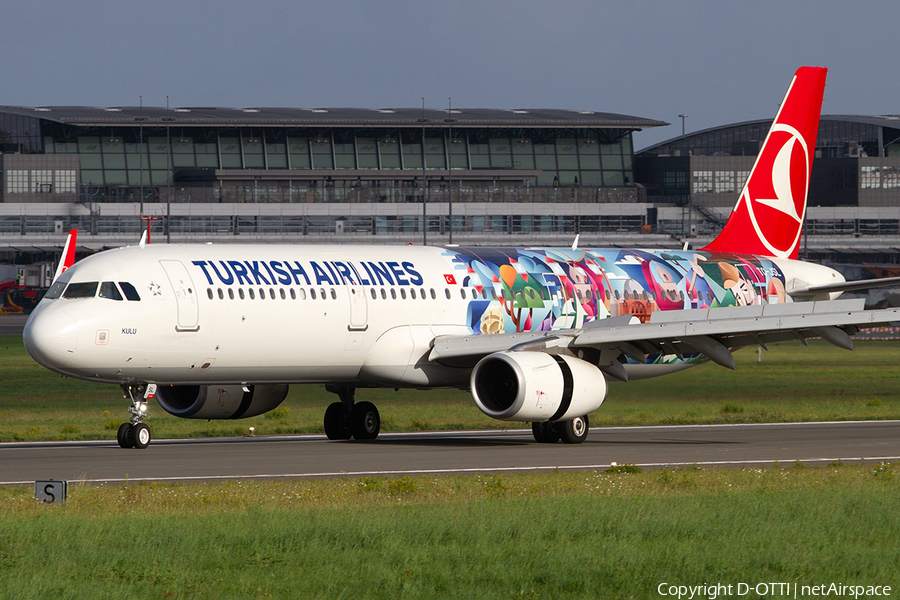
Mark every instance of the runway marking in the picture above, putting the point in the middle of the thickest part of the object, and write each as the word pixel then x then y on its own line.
pixel 465 471
pixel 450 433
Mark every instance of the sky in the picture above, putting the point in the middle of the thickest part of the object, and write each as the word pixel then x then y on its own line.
pixel 718 62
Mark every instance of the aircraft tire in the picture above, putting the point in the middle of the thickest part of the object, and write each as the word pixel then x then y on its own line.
pixel 336 423
pixel 141 436
pixel 574 431
pixel 545 432
pixel 365 421
pixel 125 435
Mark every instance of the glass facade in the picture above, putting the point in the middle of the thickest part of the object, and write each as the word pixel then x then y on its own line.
pixel 552 157
pixel 836 138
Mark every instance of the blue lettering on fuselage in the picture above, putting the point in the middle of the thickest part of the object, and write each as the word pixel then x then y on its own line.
pixel 283 277
pixel 321 275
pixel 257 274
pixel 240 272
pixel 416 277
pixel 398 273
pixel 296 270
pixel 346 275
pixel 283 272
pixel 382 272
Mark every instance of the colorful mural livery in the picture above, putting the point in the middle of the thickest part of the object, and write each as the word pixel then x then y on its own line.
pixel 515 290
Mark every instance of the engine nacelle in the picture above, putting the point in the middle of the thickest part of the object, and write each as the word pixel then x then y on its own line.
pixel 219 401
pixel 534 386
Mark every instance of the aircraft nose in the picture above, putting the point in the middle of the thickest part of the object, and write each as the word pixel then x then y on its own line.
pixel 50 337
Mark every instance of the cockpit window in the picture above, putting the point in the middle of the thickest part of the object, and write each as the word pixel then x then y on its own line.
pixel 129 291
pixel 55 290
pixel 81 290
pixel 109 290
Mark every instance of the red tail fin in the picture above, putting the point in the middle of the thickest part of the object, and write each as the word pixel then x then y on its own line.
pixel 68 255
pixel 768 217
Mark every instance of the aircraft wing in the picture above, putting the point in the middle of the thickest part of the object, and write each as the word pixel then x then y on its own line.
pixel 712 332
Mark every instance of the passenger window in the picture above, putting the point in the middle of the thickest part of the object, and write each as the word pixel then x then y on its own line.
pixel 241 293
pixel 412 293
pixel 403 293
pixel 130 292
pixel 230 294
pixel 109 290
pixel 312 293
pixel 333 294
pixel 252 294
pixel 374 295
pixel 447 292
pixel 383 294
pixel 293 294
pixel 393 293
pixel 209 293
pixel 81 290
pixel 322 293
pixel 221 294
pixel 434 294
pixel 272 293
pixel 262 294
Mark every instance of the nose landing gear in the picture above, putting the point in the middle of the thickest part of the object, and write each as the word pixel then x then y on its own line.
pixel 136 434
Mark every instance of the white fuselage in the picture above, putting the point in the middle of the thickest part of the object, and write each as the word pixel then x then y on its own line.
pixel 357 315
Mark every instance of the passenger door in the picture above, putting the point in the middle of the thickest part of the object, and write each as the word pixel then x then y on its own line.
pixel 185 295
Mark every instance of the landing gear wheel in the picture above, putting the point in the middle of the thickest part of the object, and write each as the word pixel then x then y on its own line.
pixel 125 435
pixel 141 436
pixel 545 432
pixel 337 423
pixel 365 422
pixel 574 431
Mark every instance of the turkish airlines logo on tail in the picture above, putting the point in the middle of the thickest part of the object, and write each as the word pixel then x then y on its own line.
pixel 776 195
pixel 768 217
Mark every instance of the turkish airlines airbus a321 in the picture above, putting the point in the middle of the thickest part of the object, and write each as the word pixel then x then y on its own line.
pixel 219 331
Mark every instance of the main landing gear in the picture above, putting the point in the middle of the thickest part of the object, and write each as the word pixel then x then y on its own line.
pixel 346 419
pixel 570 432
pixel 136 434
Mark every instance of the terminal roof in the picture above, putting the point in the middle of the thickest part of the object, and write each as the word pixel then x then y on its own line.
pixel 332 117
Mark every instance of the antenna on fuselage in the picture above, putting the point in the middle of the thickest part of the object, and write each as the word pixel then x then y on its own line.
pixel 575 243
pixel 143 241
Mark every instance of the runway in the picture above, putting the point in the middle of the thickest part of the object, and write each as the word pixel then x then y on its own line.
pixel 12 324
pixel 420 453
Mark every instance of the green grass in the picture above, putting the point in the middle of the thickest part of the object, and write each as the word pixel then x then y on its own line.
pixel 549 535
pixel 792 383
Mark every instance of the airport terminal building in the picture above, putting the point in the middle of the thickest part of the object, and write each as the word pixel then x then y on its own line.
pixel 468 176
pixel 279 174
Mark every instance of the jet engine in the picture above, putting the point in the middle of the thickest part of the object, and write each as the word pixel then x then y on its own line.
pixel 534 386
pixel 219 401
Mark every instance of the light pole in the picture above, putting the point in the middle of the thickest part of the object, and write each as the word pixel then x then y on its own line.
pixel 683 117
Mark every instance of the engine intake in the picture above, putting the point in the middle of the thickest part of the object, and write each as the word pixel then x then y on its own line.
pixel 219 401
pixel 534 386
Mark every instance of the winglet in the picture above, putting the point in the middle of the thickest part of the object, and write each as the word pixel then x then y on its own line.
pixel 68 254
pixel 768 217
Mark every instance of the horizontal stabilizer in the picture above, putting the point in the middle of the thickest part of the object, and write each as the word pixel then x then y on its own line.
pixel 844 286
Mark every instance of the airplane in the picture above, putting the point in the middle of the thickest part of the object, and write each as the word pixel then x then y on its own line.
pixel 219 331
